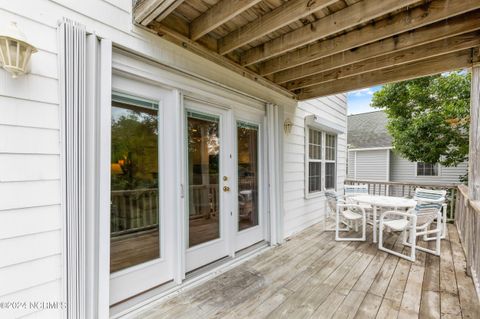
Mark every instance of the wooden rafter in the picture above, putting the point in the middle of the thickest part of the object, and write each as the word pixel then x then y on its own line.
pixel 218 15
pixel 438 64
pixel 426 51
pixel 202 51
pixel 287 13
pixel 351 16
pixel 402 22
pixel 434 32
pixel 145 11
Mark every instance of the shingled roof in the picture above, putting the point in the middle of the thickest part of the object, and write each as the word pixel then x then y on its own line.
pixel 368 130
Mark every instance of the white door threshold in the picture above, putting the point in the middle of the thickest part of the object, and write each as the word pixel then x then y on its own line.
pixel 132 307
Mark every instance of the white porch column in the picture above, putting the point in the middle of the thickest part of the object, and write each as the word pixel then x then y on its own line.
pixel 474 154
pixel 275 171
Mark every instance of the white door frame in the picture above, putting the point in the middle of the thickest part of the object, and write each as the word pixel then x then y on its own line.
pixel 255 234
pixel 141 277
pixel 217 248
pixel 131 65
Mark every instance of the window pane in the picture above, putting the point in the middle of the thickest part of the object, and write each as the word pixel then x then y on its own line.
pixel 330 147
pixel 315 144
pixel 203 178
pixel 134 223
pixel 247 138
pixel 314 177
pixel 329 175
pixel 427 169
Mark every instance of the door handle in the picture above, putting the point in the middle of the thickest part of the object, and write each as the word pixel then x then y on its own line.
pixel 226 188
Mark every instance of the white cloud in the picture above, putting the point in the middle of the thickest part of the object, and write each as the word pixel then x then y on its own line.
pixel 362 92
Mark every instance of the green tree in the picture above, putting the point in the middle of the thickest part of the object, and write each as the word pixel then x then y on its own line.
pixel 428 118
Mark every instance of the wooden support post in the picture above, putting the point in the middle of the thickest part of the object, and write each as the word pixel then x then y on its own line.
pixel 474 155
pixel 474 149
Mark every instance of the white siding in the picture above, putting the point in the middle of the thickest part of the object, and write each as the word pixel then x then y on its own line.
pixel 402 170
pixel 351 165
pixel 30 171
pixel 371 165
pixel 30 213
pixel 300 212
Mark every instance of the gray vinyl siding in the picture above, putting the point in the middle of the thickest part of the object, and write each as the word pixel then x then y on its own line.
pixel 402 170
pixel 370 165
pixel 351 165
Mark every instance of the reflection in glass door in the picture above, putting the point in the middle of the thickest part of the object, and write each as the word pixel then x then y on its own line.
pixel 134 184
pixel 247 143
pixel 203 135
pixel 250 222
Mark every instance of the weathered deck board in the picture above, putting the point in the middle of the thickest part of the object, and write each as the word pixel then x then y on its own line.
pixel 312 276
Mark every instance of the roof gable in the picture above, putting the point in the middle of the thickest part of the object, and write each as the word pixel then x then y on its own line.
pixel 368 130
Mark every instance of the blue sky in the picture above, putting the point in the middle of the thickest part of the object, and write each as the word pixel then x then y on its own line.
pixel 359 100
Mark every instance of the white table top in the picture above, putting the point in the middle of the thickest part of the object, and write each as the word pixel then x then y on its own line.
pixel 385 201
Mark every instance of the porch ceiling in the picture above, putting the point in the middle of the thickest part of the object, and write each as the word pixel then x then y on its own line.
pixel 312 48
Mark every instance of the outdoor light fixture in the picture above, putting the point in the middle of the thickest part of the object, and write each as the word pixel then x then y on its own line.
pixel 287 126
pixel 15 51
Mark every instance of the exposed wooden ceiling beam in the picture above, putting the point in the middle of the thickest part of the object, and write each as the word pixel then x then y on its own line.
pixel 287 13
pixel 351 16
pixel 438 64
pixel 146 11
pixel 218 15
pixel 202 51
pixel 402 22
pixel 437 31
pixel 426 51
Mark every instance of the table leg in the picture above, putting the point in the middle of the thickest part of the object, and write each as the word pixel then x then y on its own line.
pixel 374 224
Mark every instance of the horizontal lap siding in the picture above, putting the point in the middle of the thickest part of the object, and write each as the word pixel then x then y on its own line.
pixel 30 172
pixel 372 165
pixel 30 189
pixel 402 170
pixel 351 165
pixel 299 211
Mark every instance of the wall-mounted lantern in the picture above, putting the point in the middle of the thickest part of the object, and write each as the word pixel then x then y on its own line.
pixel 15 51
pixel 287 126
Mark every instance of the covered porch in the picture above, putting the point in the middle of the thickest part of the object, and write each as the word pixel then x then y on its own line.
pixel 312 276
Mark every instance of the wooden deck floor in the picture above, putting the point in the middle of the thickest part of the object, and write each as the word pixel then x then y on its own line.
pixel 312 276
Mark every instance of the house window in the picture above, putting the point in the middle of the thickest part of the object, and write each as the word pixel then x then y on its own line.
pixel 427 169
pixel 330 160
pixel 322 155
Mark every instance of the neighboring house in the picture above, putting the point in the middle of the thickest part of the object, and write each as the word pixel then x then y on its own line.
pixel 371 155
pixel 165 169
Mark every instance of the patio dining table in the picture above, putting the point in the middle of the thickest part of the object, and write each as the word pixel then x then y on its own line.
pixel 376 201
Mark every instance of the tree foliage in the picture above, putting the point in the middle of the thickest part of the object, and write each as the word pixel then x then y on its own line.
pixel 428 118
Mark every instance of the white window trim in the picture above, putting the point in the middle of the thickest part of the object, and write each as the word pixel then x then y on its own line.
pixel 325 127
pixel 427 176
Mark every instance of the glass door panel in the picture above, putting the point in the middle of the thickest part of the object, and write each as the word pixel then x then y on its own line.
pixel 203 178
pixel 247 172
pixel 134 223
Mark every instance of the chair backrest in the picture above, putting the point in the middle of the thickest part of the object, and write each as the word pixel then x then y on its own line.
pixel 352 190
pixel 426 212
pixel 429 195
pixel 332 200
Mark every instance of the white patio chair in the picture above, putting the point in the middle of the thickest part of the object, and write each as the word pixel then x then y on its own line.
pixel 347 214
pixel 332 199
pixel 424 196
pixel 415 222
pixel 354 190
